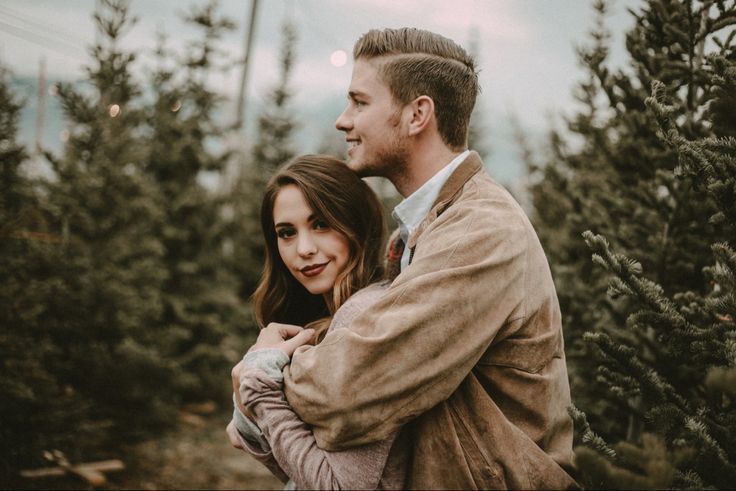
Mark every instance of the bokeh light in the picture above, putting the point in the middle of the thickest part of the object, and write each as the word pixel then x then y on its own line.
pixel 338 58
pixel 114 110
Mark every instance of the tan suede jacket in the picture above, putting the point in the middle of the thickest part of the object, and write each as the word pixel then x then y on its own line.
pixel 464 350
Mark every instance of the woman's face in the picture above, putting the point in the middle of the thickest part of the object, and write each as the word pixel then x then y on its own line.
pixel 312 251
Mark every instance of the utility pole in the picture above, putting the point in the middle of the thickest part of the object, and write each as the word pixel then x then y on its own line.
pixel 235 136
pixel 41 106
pixel 247 48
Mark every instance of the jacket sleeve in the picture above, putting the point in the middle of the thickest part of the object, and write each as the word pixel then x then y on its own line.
pixel 295 449
pixel 412 349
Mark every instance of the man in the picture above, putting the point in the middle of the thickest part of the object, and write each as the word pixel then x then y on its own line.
pixel 465 349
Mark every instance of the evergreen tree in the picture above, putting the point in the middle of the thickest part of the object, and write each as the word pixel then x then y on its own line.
pixel 478 129
pixel 276 124
pixel 200 305
pixel 34 402
pixel 117 300
pixel 102 318
pixel 661 327
pixel 272 148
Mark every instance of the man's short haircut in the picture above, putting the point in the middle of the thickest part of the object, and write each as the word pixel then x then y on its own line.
pixel 415 62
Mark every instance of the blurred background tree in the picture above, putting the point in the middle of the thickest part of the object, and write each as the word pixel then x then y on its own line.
pixel 655 330
pixel 35 399
pixel 118 303
pixel 479 126
pixel 200 305
pixel 102 318
pixel 273 146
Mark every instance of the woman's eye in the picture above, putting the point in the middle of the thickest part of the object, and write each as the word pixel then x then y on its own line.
pixel 321 225
pixel 285 233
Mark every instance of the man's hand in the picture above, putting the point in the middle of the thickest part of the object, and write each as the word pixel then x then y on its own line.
pixel 285 337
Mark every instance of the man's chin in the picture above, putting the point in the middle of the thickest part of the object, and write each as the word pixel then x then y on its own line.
pixel 368 168
pixel 355 165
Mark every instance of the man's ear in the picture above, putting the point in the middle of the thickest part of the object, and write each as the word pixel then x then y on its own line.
pixel 422 114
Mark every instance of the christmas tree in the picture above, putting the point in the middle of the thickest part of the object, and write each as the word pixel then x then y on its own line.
pixel 34 400
pixel 636 171
pixel 106 208
pixel 118 301
pixel 200 305
pixel 273 147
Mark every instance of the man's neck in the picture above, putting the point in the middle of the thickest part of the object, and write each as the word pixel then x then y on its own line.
pixel 425 160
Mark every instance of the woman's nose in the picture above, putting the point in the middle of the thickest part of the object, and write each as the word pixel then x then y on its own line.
pixel 305 245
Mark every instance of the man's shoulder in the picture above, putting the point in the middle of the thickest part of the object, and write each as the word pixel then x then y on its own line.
pixel 488 201
pixel 483 185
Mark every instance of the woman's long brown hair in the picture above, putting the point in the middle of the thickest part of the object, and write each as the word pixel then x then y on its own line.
pixel 346 203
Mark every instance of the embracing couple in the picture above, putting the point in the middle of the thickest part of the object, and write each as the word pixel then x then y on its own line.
pixel 438 364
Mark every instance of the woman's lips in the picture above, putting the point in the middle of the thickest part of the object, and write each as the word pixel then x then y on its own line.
pixel 313 270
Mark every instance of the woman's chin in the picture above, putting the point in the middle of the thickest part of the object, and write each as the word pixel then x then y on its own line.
pixel 318 289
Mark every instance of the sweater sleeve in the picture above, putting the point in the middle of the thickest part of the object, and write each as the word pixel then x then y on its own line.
pixel 293 444
pixel 250 435
pixel 263 455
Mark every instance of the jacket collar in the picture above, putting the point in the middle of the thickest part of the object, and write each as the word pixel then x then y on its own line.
pixel 467 169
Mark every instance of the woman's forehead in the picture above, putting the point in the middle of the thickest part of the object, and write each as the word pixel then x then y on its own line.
pixel 291 206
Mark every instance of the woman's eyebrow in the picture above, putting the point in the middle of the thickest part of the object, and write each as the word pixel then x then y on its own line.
pixel 311 218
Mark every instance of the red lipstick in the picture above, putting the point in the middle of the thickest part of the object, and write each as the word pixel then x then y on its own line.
pixel 313 270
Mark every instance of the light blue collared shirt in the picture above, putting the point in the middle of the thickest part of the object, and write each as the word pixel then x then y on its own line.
pixel 412 210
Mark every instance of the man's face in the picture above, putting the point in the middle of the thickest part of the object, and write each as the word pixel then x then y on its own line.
pixel 373 124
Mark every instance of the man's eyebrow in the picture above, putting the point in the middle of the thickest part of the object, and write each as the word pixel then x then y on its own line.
pixel 354 93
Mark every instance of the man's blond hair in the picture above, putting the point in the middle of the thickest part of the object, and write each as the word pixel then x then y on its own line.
pixel 415 62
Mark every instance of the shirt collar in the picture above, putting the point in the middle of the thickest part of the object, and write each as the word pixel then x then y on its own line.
pixel 412 210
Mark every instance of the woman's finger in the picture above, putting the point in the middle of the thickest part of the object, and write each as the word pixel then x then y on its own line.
pixel 303 337
pixel 235 376
pixel 232 435
pixel 285 330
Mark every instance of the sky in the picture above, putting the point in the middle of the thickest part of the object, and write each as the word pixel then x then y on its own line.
pixel 526 53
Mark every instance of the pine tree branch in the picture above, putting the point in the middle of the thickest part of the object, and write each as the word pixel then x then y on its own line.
pixel 698 429
pixel 653 387
pixel 589 437
pixel 628 282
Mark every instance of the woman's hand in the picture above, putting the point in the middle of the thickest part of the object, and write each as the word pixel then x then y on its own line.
pixel 285 337
pixel 232 435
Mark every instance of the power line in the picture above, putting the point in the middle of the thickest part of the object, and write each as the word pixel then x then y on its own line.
pixel 37 24
pixel 40 40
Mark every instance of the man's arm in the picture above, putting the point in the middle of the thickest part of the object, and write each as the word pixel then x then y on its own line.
pixel 412 348
pixel 292 441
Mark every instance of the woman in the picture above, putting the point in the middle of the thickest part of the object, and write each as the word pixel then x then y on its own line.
pixel 323 229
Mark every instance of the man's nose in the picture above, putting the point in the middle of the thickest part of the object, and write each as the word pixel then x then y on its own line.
pixel 344 122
